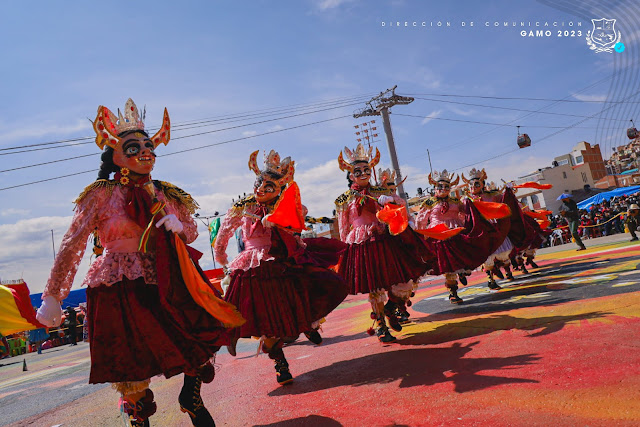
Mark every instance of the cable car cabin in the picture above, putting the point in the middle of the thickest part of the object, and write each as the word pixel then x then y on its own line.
pixel 524 140
pixel 632 133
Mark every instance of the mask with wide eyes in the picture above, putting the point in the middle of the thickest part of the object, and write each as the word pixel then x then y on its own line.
pixel 476 183
pixel 358 172
pixel 133 149
pixel 268 187
pixel 440 186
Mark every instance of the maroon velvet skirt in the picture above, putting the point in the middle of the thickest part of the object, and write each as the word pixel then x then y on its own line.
pixel 384 261
pixel 133 337
pixel 470 248
pixel 282 299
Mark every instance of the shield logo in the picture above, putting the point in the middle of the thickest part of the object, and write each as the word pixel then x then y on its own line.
pixel 603 33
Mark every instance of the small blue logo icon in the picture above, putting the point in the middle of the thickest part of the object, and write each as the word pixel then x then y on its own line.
pixel 619 47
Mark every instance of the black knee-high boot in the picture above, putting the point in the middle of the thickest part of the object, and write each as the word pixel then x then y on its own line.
pixel 275 353
pixel 191 402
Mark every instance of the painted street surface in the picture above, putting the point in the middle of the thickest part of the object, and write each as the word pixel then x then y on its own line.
pixel 558 346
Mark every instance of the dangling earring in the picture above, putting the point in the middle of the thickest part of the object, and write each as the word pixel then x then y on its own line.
pixel 124 179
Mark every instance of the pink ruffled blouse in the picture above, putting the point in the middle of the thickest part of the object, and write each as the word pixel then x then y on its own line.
pixel 452 217
pixel 358 228
pixel 104 209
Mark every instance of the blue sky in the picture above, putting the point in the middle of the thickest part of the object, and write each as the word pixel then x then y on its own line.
pixel 207 60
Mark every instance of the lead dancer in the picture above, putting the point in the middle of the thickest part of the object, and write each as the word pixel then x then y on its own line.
pixel 142 319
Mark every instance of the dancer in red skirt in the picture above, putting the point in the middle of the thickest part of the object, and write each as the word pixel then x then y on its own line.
pixel 463 252
pixel 376 263
pixel 279 282
pixel 142 319
pixel 477 189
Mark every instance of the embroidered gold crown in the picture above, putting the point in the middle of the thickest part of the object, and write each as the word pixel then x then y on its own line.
pixel 107 126
pixel 435 177
pixel 386 176
pixel 359 155
pixel 475 174
pixel 273 164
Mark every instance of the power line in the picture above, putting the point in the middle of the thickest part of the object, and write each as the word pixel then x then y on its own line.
pixel 212 131
pixel 190 149
pixel 540 139
pixel 221 119
pixel 513 98
pixel 509 108
pixel 484 123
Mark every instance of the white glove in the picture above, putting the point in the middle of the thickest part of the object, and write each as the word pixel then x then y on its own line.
pixel 510 184
pixel 385 200
pixel 266 223
pixel 50 312
pixel 171 223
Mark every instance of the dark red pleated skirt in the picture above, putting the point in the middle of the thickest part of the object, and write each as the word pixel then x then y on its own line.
pixel 384 261
pixel 281 299
pixel 132 337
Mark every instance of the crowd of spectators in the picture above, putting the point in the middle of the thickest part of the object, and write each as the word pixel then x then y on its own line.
pixel 69 332
pixel 601 219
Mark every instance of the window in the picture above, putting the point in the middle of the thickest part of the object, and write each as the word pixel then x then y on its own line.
pixel 584 177
pixel 579 160
pixel 564 175
pixel 534 199
pixel 563 162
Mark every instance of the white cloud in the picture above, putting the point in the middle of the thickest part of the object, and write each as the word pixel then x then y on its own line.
pixel 430 117
pixel 14 212
pixel 37 130
pixel 580 97
pixel 460 111
pixel 249 133
pixel 274 128
pixel 331 4
pixel 26 250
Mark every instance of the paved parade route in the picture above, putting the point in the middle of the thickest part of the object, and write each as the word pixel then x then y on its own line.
pixel 556 347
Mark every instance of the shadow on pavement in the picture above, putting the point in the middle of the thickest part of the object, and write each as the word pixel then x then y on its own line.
pixel 499 322
pixel 311 420
pixel 413 367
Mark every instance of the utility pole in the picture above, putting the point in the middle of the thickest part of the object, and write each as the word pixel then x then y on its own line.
pixel 53 245
pixel 379 106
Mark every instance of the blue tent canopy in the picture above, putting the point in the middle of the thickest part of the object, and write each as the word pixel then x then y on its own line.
pixel 72 300
pixel 600 197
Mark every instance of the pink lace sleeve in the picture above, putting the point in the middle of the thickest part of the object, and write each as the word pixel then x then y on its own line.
pixel 73 245
pixel 343 223
pixel 189 224
pixel 231 221
pixel 422 220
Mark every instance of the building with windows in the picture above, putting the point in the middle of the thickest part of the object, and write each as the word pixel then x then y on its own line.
pixel 574 173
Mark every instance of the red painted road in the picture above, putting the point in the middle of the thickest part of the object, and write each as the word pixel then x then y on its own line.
pixel 558 347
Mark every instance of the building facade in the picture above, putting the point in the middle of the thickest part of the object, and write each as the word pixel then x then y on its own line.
pixel 574 173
